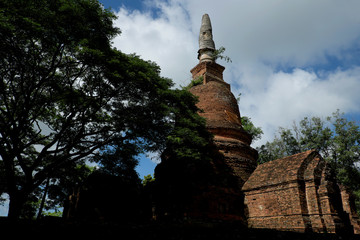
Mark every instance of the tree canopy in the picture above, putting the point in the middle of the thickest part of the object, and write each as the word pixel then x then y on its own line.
pixel 66 95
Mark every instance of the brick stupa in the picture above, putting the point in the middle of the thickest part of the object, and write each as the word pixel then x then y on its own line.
pixel 215 189
pixel 220 108
pixel 296 193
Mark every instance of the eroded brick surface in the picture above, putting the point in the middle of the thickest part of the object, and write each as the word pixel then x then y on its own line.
pixel 221 111
pixel 349 207
pixel 295 193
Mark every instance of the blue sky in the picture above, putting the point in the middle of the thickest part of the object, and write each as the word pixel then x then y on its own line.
pixel 116 4
pixel 290 59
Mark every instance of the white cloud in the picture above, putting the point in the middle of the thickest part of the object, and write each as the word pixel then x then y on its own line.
pixel 296 32
pixel 165 40
pixel 154 156
pixel 261 38
pixel 289 97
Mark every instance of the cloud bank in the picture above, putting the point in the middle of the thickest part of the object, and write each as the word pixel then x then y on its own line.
pixel 290 59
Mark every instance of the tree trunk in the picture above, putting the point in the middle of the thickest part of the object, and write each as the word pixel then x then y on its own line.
pixel 17 201
pixel 43 199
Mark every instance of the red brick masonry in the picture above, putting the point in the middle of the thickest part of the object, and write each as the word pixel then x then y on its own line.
pixel 221 110
pixel 296 193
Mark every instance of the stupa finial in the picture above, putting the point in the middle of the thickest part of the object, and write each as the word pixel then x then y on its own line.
pixel 206 42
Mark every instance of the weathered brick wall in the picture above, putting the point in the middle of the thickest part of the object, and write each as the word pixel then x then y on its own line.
pixel 215 100
pixel 221 111
pixel 211 71
pixel 295 193
pixel 276 207
pixel 210 203
pixel 314 207
pixel 349 207
pixel 239 157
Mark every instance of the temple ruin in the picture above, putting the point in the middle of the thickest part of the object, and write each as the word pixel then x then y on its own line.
pixel 296 193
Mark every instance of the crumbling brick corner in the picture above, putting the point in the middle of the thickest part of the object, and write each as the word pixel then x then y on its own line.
pixel 296 193
pixel 348 201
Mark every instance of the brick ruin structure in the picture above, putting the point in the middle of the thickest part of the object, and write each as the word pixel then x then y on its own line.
pixel 296 193
pixel 349 207
pixel 221 198
pixel 220 109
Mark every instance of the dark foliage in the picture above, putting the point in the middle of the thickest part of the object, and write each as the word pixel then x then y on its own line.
pixel 108 198
pixel 66 95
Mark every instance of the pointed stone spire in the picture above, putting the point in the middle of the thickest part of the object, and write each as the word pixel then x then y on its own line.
pixel 206 42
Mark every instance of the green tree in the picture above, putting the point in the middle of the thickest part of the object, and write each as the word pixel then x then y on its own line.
pixel 67 95
pixel 190 164
pixel 148 179
pixel 344 152
pixel 55 190
pixel 249 127
pixel 186 160
pixel 219 54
